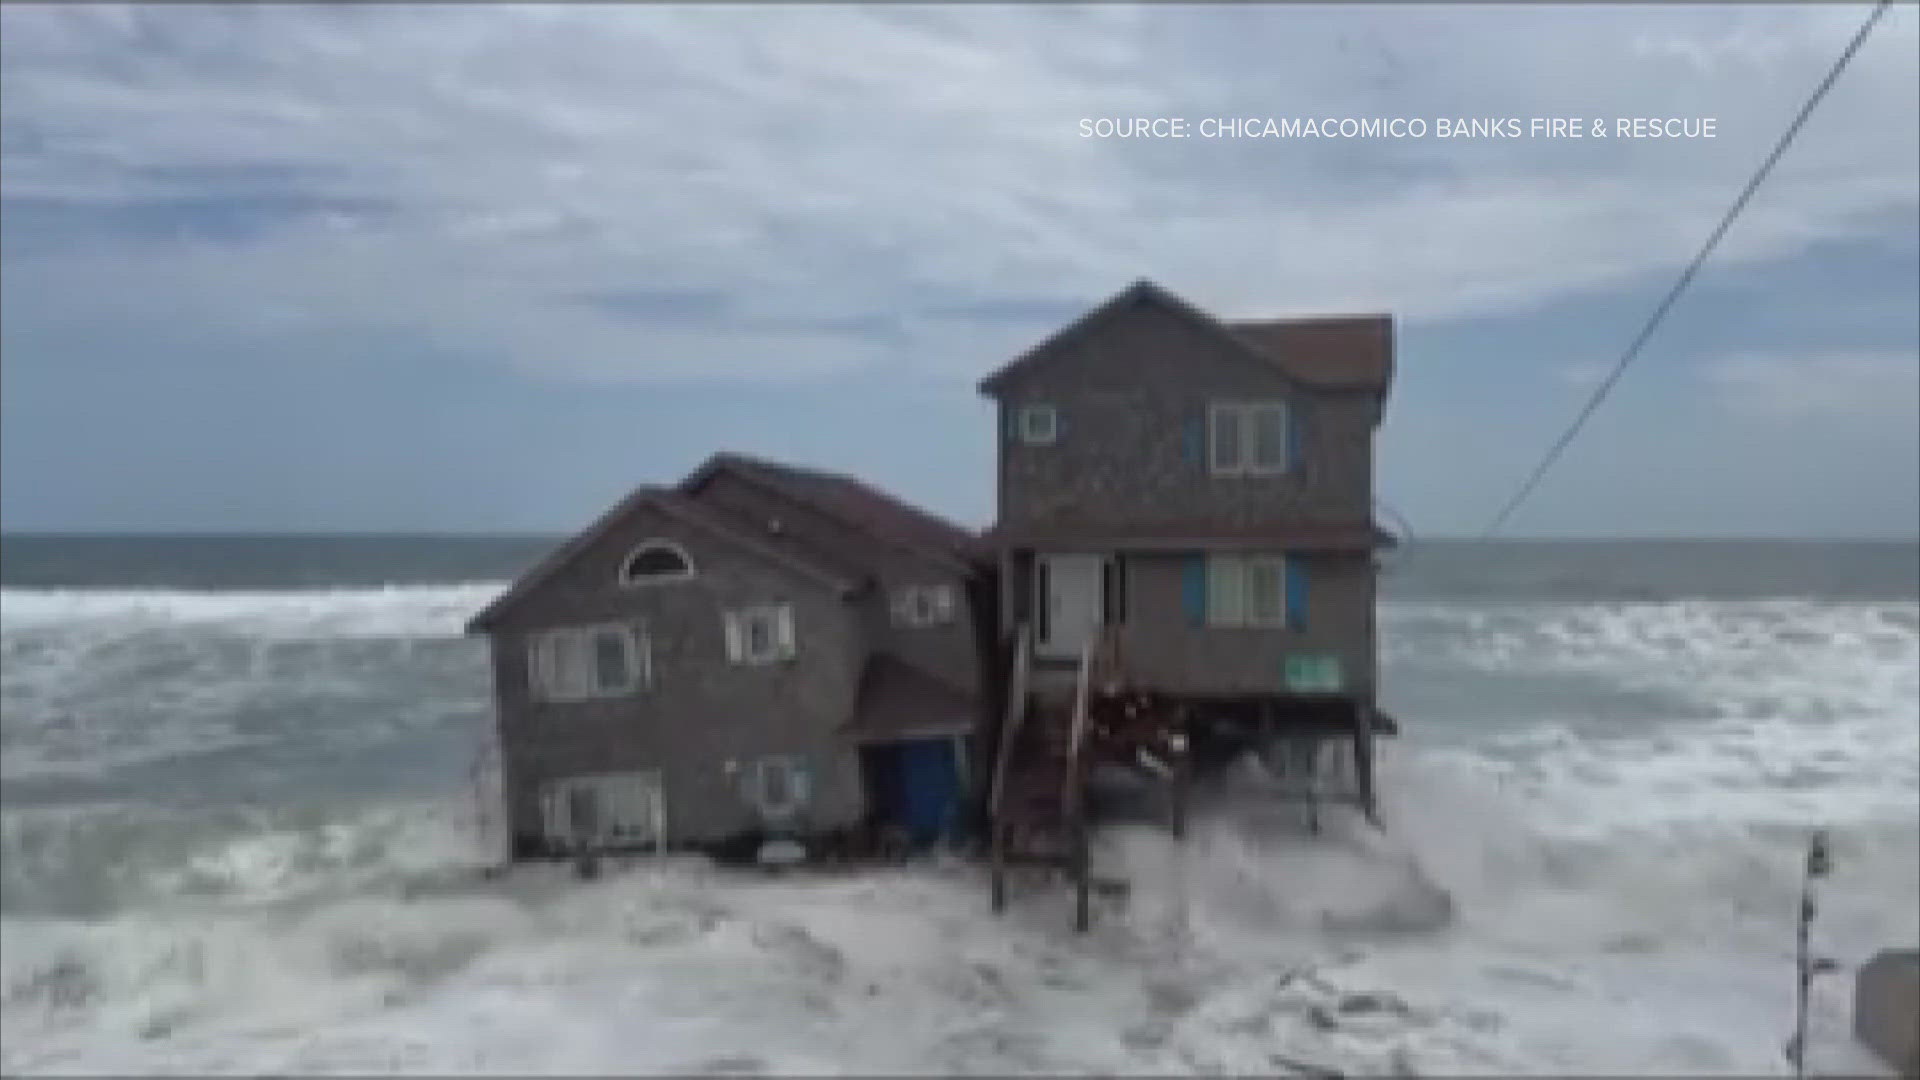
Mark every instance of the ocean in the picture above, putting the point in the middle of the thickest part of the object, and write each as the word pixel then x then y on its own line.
pixel 244 801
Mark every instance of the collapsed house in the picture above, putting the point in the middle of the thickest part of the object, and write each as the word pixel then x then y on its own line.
pixel 1182 566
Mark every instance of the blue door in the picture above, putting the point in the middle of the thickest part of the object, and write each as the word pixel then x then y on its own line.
pixel 927 775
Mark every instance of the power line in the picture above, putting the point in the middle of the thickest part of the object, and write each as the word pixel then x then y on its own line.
pixel 1687 276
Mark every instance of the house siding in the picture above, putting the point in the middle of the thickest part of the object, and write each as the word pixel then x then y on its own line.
pixel 702 712
pixel 1162 647
pixel 1132 397
pixel 949 651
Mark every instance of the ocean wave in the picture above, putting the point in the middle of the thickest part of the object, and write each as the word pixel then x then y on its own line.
pixel 1480 933
pixel 393 611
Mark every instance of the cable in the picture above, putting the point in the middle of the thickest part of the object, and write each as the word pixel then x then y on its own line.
pixel 1687 276
pixel 1399 519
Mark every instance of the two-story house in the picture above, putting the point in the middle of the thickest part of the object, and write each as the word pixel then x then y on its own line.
pixel 1197 496
pixel 760 650
pixel 1204 487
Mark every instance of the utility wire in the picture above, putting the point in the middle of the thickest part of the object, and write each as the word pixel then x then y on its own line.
pixel 1687 276
pixel 1399 519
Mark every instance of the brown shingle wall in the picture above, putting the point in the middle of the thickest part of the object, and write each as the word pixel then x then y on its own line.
pixel 1131 397
pixel 702 710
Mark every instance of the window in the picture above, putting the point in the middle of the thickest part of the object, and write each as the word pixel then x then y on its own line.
pixel 1247 438
pixel 578 663
pixel 923 605
pixel 608 810
pixel 1247 591
pixel 656 561
pixel 778 786
pixel 761 634
pixel 1039 424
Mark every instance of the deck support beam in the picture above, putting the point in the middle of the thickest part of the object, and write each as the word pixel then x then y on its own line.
pixel 1083 881
pixel 1363 765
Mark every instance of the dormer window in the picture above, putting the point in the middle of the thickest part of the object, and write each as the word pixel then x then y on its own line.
pixel 655 562
pixel 923 605
pixel 1039 424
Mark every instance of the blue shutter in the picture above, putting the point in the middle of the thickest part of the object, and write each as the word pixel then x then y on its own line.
pixel 1296 435
pixel 1194 589
pixel 1197 441
pixel 1012 415
pixel 1296 593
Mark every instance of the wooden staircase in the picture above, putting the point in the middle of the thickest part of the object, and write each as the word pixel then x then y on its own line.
pixel 1051 737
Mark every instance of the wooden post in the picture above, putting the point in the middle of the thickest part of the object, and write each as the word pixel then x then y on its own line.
pixel 1083 884
pixel 1363 767
pixel 1808 965
pixel 1182 778
pixel 1313 784
pixel 999 867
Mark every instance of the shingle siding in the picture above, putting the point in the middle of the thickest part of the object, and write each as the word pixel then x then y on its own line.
pixel 1133 397
pixel 947 651
pixel 702 711
pixel 1166 647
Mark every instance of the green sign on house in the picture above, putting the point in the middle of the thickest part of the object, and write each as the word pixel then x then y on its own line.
pixel 1313 673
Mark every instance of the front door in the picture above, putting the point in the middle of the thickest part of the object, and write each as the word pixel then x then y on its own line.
pixel 929 778
pixel 1070 603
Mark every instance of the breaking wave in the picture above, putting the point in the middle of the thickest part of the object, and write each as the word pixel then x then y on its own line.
pixel 1591 863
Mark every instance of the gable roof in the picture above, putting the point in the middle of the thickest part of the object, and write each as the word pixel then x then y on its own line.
pixel 851 501
pixel 678 507
pixel 1353 352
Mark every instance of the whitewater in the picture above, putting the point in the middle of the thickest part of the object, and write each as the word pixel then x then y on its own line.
pixel 242 835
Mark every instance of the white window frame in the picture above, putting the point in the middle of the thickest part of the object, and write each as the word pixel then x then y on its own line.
pixel 1233 602
pixel 557 677
pixel 630 806
pixel 797 775
pixel 922 606
pixel 1244 419
pixel 1039 424
pixel 778 621
pixel 628 580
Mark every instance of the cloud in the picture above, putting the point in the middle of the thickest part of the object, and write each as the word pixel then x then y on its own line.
pixel 1585 374
pixel 829 188
pixel 1844 388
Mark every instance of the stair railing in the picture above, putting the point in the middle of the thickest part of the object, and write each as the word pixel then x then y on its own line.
pixel 1091 668
pixel 1013 719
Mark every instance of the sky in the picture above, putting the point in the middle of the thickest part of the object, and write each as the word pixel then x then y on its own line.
pixel 443 268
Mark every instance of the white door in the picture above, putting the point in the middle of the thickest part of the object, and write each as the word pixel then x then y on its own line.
pixel 1071 601
pixel 611 810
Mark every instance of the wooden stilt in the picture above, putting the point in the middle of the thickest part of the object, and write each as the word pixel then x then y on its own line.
pixel 1179 788
pixel 999 868
pixel 1312 779
pixel 1363 766
pixel 1083 884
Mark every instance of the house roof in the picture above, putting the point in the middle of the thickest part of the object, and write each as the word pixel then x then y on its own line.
pixel 1183 536
pixel 680 508
pixel 900 701
pixel 1345 352
pixel 1352 351
pixel 852 501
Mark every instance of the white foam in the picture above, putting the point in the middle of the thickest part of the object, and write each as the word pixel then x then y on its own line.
pixel 1478 939
pixel 396 611
pixel 1548 901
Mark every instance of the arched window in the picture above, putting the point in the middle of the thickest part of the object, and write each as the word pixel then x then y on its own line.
pixel 656 561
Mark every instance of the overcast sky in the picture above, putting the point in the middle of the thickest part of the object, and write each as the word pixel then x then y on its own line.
pixel 484 268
